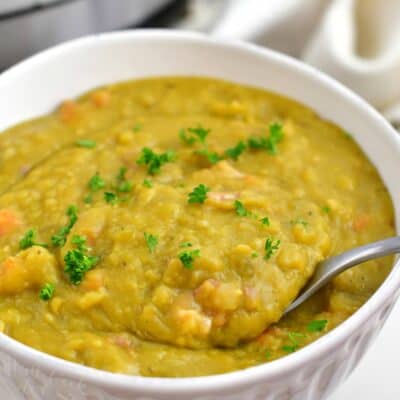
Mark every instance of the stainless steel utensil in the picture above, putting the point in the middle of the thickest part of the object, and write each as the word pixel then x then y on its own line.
pixel 329 268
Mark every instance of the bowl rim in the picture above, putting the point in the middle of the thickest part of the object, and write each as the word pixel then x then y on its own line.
pixel 231 381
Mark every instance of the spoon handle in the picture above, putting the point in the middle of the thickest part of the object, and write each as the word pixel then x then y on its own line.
pixel 333 266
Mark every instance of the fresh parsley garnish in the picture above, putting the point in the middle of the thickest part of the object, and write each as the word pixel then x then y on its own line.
pixel 187 258
pixel 47 291
pixel 290 348
pixel 186 138
pixel 88 199
pixel 267 354
pixel 147 183
pixel 123 185
pixel 211 156
pixel 96 182
pixel 88 143
pixel 236 151
pixel 151 241
pixel 254 254
pixel 154 161
pixel 60 238
pixel 199 194
pixel 121 174
pixel 265 221
pixel 186 244
pixel 241 209
pixel 28 240
pixel 268 143
pixel 294 342
pixel 326 209
pixel 110 197
pixel 78 261
pixel 270 247
pixel 193 135
pixel 317 325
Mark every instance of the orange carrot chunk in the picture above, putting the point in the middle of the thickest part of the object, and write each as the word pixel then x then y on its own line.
pixel 9 221
pixel 361 222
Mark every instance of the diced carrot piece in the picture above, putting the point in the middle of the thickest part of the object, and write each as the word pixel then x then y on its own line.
pixel 101 98
pixel 361 222
pixel 122 341
pixel 251 180
pixel 7 265
pixel 93 280
pixel 68 111
pixel 9 221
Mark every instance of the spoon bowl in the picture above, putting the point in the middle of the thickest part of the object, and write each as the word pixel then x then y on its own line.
pixel 327 269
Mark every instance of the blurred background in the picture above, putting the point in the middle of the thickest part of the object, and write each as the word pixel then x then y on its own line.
pixel 355 41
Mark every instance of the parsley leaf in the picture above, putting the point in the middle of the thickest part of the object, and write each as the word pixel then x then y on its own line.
pixel 199 194
pixel 211 156
pixel 294 339
pixel 154 161
pixel 96 183
pixel 186 244
pixel 271 247
pixel 326 209
pixel 257 143
pixel 77 261
pixel 241 209
pixel 254 254
pixel 121 174
pixel 187 258
pixel 60 238
pixel 185 138
pixel 28 240
pixel 290 348
pixel 235 152
pixel 265 221
pixel 147 183
pixel 123 186
pixel 88 199
pixel 47 291
pixel 151 241
pixel 110 197
pixel 317 325
pixel 195 134
pixel 88 143
pixel 268 143
pixel 199 134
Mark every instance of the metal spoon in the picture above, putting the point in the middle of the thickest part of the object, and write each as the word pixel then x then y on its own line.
pixel 329 268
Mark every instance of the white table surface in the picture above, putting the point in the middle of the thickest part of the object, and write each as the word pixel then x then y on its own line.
pixel 377 376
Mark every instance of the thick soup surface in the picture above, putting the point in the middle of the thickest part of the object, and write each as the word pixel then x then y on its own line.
pixel 161 227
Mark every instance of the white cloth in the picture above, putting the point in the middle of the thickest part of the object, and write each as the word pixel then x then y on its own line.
pixel 355 41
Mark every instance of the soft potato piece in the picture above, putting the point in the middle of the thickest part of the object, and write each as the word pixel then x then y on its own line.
pixel 30 268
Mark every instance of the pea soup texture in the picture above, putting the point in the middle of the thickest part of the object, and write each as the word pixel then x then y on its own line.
pixel 161 227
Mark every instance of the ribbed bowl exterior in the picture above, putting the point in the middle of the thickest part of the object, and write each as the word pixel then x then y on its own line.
pixel 313 382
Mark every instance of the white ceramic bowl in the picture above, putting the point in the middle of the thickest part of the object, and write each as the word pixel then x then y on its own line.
pixel 35 86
